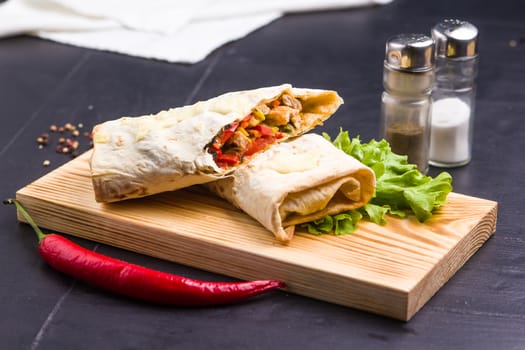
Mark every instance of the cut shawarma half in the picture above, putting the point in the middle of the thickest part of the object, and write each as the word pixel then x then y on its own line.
pixel 140 156
pixel 298 181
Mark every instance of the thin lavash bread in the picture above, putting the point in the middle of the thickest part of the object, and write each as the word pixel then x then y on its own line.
pixel 140 156
pixel 298 181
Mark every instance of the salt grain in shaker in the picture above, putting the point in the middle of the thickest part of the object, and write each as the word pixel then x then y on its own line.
pixel 408 78
pixel 454 93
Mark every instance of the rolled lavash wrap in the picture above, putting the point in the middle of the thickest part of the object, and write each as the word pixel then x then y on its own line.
pixel 195 144
pixel 298 181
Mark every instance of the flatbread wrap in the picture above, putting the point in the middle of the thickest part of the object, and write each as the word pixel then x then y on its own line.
pixel 298 181
pixel 140 156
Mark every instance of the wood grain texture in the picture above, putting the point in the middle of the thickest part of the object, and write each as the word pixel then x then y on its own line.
pixel 392 270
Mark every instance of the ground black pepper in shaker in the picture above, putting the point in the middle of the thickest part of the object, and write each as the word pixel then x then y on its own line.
pixel 408 78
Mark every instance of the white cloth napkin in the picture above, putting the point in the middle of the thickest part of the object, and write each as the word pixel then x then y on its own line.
pixel 169 30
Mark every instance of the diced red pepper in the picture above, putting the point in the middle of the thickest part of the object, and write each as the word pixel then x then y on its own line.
pixel 227 133
pixel 246 120
pixel 262 136
pixel 228 158
pixel 264 130
pixel 258 145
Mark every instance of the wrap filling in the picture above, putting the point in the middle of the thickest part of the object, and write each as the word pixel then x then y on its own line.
pixel 267 123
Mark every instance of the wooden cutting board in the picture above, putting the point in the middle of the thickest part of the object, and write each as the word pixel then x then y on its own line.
pixel 391 270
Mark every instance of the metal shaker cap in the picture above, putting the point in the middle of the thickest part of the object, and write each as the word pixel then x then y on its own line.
pixel 455 38
pixel 411 52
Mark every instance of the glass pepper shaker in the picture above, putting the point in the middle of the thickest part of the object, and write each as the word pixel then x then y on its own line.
pixel 454 93
pixel 408 78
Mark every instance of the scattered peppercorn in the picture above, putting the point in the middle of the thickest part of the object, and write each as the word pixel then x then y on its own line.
pixel 515 42
pixel 68 142
pixel 43 139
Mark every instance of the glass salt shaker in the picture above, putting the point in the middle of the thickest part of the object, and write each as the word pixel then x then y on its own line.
pixel 454 93
pixel 408 78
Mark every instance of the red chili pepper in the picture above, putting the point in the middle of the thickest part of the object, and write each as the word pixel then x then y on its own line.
pixel 137 281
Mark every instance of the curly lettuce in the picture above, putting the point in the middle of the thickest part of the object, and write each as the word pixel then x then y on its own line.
pixel 401 189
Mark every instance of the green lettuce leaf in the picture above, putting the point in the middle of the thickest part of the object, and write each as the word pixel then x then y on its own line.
pixel 401 189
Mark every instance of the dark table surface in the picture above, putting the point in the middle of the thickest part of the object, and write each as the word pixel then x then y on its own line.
pixel 44 83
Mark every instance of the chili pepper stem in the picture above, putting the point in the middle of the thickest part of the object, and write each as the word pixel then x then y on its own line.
pixel 41 235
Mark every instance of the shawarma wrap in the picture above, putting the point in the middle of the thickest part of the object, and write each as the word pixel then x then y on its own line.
pixel 298 181
pixel 140 156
